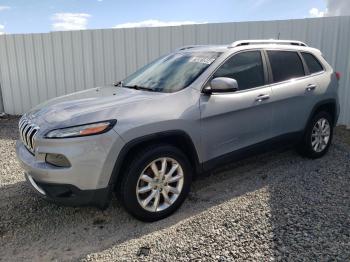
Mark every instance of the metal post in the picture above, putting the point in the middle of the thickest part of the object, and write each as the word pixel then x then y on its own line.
pixel 1 102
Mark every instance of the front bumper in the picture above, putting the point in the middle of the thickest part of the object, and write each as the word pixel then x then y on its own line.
pixel 70 195
pixel 86 181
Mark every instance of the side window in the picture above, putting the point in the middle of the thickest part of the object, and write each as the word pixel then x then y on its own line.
pixel 312 63
pixel 285 65
pixel 246 68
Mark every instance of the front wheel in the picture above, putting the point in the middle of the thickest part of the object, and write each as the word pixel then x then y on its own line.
pixel 156 182
pixel 318 136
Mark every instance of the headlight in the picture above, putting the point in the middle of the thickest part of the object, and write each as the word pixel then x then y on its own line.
pixel 82 130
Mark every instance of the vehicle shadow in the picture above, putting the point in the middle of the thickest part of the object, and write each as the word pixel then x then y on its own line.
pixel 32 228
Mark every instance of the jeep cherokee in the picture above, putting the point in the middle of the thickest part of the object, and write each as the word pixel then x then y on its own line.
pixel 183 114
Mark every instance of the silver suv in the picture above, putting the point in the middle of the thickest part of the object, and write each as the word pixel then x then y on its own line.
pixel 147 137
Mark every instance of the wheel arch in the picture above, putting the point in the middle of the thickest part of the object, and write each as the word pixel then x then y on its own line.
pixel 177 138
pixel 328 105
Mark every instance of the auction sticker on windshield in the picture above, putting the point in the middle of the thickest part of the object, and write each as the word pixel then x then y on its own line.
pixel 202 60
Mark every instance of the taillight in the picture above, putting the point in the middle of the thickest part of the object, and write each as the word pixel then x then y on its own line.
pixel 337 75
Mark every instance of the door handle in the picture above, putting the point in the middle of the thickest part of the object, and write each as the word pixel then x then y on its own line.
pixel 260 98
pixel 310 87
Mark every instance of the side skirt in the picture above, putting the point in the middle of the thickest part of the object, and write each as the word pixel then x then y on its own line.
pixel 262 147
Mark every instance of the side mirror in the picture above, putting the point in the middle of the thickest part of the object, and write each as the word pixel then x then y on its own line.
pixel 221 85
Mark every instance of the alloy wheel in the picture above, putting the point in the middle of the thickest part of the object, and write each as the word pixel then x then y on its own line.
pixel 160 184
pixel 320 135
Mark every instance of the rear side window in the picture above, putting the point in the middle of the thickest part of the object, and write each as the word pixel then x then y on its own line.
pixel 285 65
pixel 246 67
pixel 312 63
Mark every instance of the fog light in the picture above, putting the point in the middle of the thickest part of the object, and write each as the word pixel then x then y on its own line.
pixel 57 160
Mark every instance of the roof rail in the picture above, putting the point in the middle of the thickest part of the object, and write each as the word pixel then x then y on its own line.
pixel 271 41
pixel 188 47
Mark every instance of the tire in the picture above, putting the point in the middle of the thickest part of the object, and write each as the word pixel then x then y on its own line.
pixel 308 143
pixel 142 164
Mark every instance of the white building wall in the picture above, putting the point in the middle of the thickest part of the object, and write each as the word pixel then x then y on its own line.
pixel 37 67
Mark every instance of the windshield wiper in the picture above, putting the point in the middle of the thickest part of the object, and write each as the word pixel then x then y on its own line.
pixel 140 88
pixel 137 87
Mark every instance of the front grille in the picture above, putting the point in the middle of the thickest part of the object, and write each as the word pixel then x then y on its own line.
pixel 27 133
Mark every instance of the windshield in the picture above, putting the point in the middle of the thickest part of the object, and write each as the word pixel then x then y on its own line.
pixel 171 73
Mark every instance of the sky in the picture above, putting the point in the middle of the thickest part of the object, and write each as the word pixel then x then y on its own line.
pixel 37 16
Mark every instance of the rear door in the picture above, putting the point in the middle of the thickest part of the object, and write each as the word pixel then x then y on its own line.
pixel 317 75
pixel 292 91
pixel 230 121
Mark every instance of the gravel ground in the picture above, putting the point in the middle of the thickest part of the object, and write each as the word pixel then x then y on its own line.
pixel 276 206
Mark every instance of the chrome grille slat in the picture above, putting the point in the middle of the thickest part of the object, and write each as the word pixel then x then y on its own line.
pixel 20 125
pixel 27 131
pixel 31 137
pixel 20 128
pixel 22 131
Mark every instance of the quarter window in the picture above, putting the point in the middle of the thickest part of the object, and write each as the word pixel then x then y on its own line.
pixel 312 63
pixel 246 67
pixel 285 65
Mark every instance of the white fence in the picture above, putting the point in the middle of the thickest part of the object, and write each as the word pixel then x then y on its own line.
pixel 36 67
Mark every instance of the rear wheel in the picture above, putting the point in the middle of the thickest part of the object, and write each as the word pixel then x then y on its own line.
pixel 156 183
pixel 318 136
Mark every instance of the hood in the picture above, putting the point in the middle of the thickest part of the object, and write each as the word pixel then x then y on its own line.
pixel 95 104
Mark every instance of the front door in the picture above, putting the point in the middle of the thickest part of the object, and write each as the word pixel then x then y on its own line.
pixel 230 121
